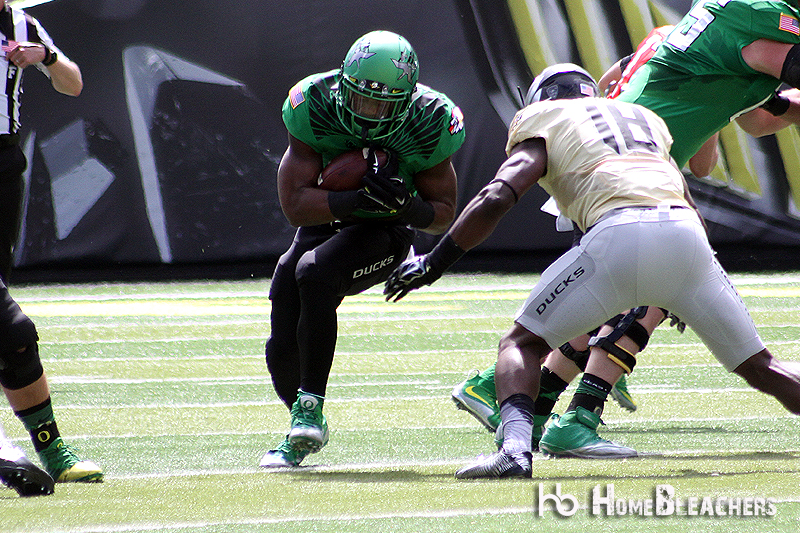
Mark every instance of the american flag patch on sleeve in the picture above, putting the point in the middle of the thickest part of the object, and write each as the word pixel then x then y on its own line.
pixel 789 24
pixel 7 46
pixel 296 96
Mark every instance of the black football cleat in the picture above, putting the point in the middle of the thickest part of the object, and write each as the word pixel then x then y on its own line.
pixel 19 473
pixel 498 465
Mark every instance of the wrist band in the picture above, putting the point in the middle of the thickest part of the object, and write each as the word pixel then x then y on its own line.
pixel 444 254
pixel 420 214
pixel 777 105
pixel 50 57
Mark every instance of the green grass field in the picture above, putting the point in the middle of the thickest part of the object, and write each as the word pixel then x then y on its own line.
pixel 164 384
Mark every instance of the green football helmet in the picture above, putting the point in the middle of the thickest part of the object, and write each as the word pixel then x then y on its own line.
pixel 377 80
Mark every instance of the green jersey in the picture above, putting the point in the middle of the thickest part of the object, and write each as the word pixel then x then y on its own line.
pixel 697 80
pixel 432 130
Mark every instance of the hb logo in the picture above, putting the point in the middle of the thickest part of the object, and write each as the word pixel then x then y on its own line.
pixel 565 505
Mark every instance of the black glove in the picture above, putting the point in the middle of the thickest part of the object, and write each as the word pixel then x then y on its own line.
pixel 679 324
pixel 344 203
pixel 411 274
pixel 422 270
pixel 384 186
pixel 777 105
pixel 382 191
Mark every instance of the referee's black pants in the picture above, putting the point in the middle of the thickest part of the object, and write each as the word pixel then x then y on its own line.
pixel 12 165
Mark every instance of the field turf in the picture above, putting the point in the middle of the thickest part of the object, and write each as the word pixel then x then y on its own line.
pixel 165 386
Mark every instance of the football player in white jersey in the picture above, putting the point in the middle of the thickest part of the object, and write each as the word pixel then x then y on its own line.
pixel 607 165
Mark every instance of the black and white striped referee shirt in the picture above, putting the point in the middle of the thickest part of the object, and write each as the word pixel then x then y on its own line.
pixel 16 27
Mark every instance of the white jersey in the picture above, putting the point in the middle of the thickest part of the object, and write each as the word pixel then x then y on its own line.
pixel 601 155
pixel 608 168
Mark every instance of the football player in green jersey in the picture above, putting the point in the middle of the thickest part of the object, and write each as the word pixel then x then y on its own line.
pixel 713 67
pixel 348 241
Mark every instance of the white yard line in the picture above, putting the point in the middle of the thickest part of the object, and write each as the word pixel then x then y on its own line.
pixel 169 526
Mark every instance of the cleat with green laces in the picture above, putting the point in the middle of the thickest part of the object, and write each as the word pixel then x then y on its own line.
pixel 621 395
pixel 284 456
pixel 540 423
pixel 65 466
pixel 477 397
pixel 575 435
pixel 309 431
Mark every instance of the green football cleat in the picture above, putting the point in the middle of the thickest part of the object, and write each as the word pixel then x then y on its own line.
pixel 284 456
pixel 621 395
pixel 309 426
pixel 539 427
pixel 477 397
pixel 575 435
pixel 65 466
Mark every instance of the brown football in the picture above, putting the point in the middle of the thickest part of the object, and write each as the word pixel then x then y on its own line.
pixel 345 171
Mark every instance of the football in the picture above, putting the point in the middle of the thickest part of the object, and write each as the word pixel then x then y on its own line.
pixel 345 171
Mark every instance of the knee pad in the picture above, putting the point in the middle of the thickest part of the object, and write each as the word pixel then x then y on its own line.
pixel 20 369
pixel 19 330
pixel 580 358
pixel 628 326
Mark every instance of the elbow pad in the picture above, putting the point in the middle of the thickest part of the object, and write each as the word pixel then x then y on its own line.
pixel 791 67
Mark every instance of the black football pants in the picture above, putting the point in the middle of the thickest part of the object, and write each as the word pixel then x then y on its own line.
pixel 12 165
pixel 323 265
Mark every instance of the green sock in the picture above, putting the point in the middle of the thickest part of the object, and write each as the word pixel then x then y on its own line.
pixel 591 394
pixel 40 422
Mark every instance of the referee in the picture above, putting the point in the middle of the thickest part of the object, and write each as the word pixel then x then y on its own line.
pixel 24 43
pixel 24 383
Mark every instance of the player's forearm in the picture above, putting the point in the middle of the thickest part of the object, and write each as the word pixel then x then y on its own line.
pixel 481 216
pixel 66 77
pixel 444 213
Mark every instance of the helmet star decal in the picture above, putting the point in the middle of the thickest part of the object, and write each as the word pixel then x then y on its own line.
pixel 406 64
pixel 361 53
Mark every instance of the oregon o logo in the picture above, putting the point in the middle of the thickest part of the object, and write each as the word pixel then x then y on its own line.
pixel 308 403
pixel 43 436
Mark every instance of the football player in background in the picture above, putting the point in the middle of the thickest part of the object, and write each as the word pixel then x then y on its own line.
pixel 698 83
pixel 348 241
pixel 713 69
pixel 643 244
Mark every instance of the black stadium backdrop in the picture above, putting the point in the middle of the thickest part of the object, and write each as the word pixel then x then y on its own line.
pixel 169 155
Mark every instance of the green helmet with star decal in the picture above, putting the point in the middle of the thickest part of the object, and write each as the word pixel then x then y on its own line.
pixel 378 77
